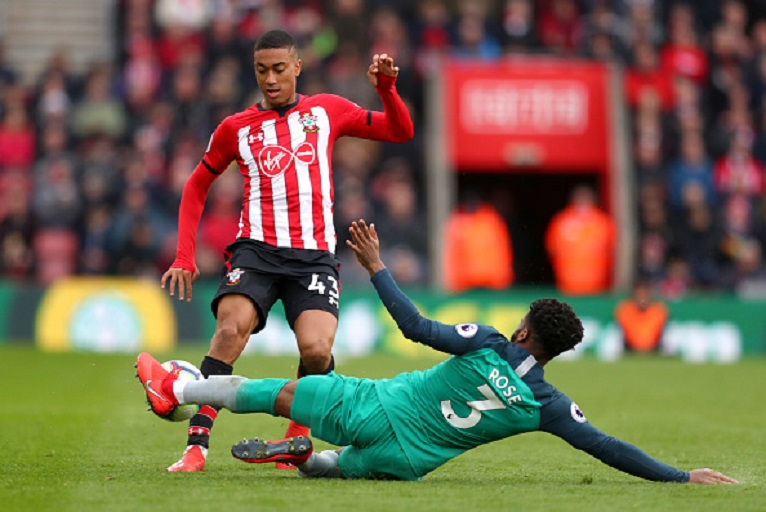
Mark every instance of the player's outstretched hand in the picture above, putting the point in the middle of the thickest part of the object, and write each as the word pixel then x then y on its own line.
pixel 183 279
pixel 364 242
pixel 707 476
pixel 382 63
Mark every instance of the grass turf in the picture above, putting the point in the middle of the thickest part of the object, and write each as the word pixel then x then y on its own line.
pixel 75 436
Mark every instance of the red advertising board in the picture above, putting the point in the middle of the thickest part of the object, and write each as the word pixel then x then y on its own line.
pixel 527 112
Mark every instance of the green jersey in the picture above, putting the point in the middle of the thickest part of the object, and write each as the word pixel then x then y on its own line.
pixel 457 405
pixel 490 389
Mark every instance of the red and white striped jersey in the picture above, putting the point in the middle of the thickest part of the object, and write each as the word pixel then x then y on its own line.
pixel 284 156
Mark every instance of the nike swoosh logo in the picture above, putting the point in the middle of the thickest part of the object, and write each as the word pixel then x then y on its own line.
pixel 150 390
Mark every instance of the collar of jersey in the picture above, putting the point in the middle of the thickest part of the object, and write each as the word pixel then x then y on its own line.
pixel 280 110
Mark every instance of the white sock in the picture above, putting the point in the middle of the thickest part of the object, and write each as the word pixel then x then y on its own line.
pixel 178 390
pixel 218 390
pixel 321 465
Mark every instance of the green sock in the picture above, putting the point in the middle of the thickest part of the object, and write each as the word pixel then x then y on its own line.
pixel 258 395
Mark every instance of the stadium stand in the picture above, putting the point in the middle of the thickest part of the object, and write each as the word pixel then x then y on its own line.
pixel 97 135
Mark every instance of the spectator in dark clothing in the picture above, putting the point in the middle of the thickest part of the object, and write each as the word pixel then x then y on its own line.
pixel 16 231
pixel 698 238
pixel 695 74
pixel 402 223
pixel 692 168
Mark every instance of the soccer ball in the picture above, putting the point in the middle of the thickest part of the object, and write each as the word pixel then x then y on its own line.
pixel 186 371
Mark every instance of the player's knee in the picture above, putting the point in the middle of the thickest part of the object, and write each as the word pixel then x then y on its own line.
pixel 316 356
pixel 227 332
pixel 228 342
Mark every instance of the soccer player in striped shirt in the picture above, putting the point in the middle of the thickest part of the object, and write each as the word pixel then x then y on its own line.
pixel 405 427
pixel 285 248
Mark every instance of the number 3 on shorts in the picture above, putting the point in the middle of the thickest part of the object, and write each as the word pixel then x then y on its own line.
pixel 318 286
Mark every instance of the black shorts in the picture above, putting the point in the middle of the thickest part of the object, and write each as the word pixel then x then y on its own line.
pixel 302 279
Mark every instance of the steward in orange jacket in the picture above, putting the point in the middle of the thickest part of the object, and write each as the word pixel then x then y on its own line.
pixel 478 251
pixel 641 320
pixel 580 243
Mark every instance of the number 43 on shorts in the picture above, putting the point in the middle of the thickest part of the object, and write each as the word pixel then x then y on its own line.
pixel 333 294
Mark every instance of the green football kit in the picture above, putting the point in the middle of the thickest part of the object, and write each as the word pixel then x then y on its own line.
pixel 405 427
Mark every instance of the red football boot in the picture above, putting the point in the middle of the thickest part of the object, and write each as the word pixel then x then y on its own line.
pixel 154 379
pixel 293 450
pixel 193 460
pixel 293 430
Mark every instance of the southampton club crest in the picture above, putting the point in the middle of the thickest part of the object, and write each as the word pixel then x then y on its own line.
pixel 234 276
pixel 309 122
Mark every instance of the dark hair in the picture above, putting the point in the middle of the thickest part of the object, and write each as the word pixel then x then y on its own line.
pixel 275 39
pixel 555 326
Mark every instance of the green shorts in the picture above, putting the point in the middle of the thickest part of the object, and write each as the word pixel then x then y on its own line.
pixel 346 411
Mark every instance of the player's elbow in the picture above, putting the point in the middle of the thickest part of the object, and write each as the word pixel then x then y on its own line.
pixel 405 134
pixel 414 328
pixel 199 182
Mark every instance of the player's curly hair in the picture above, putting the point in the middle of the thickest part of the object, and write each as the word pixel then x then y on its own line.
pixel 275 39
pixel 555 325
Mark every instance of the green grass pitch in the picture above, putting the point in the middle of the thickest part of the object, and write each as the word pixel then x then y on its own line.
pixel 75 435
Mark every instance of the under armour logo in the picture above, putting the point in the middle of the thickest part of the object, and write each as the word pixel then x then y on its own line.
pixel 252 138
pixel 274 160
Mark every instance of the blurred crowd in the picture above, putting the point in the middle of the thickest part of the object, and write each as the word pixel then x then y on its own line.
pixel 92 165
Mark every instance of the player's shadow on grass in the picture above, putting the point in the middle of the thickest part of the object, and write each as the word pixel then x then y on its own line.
pixel 481 477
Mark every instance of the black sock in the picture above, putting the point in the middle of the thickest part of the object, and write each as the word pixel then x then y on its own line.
pixel 202 422
pixel 303 371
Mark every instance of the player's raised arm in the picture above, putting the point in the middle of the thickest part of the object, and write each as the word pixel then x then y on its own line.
pixel 364 242
pixel 381 65
pixel 394 124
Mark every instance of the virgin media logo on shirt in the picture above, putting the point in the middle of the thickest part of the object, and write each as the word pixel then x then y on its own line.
pixel 275 160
